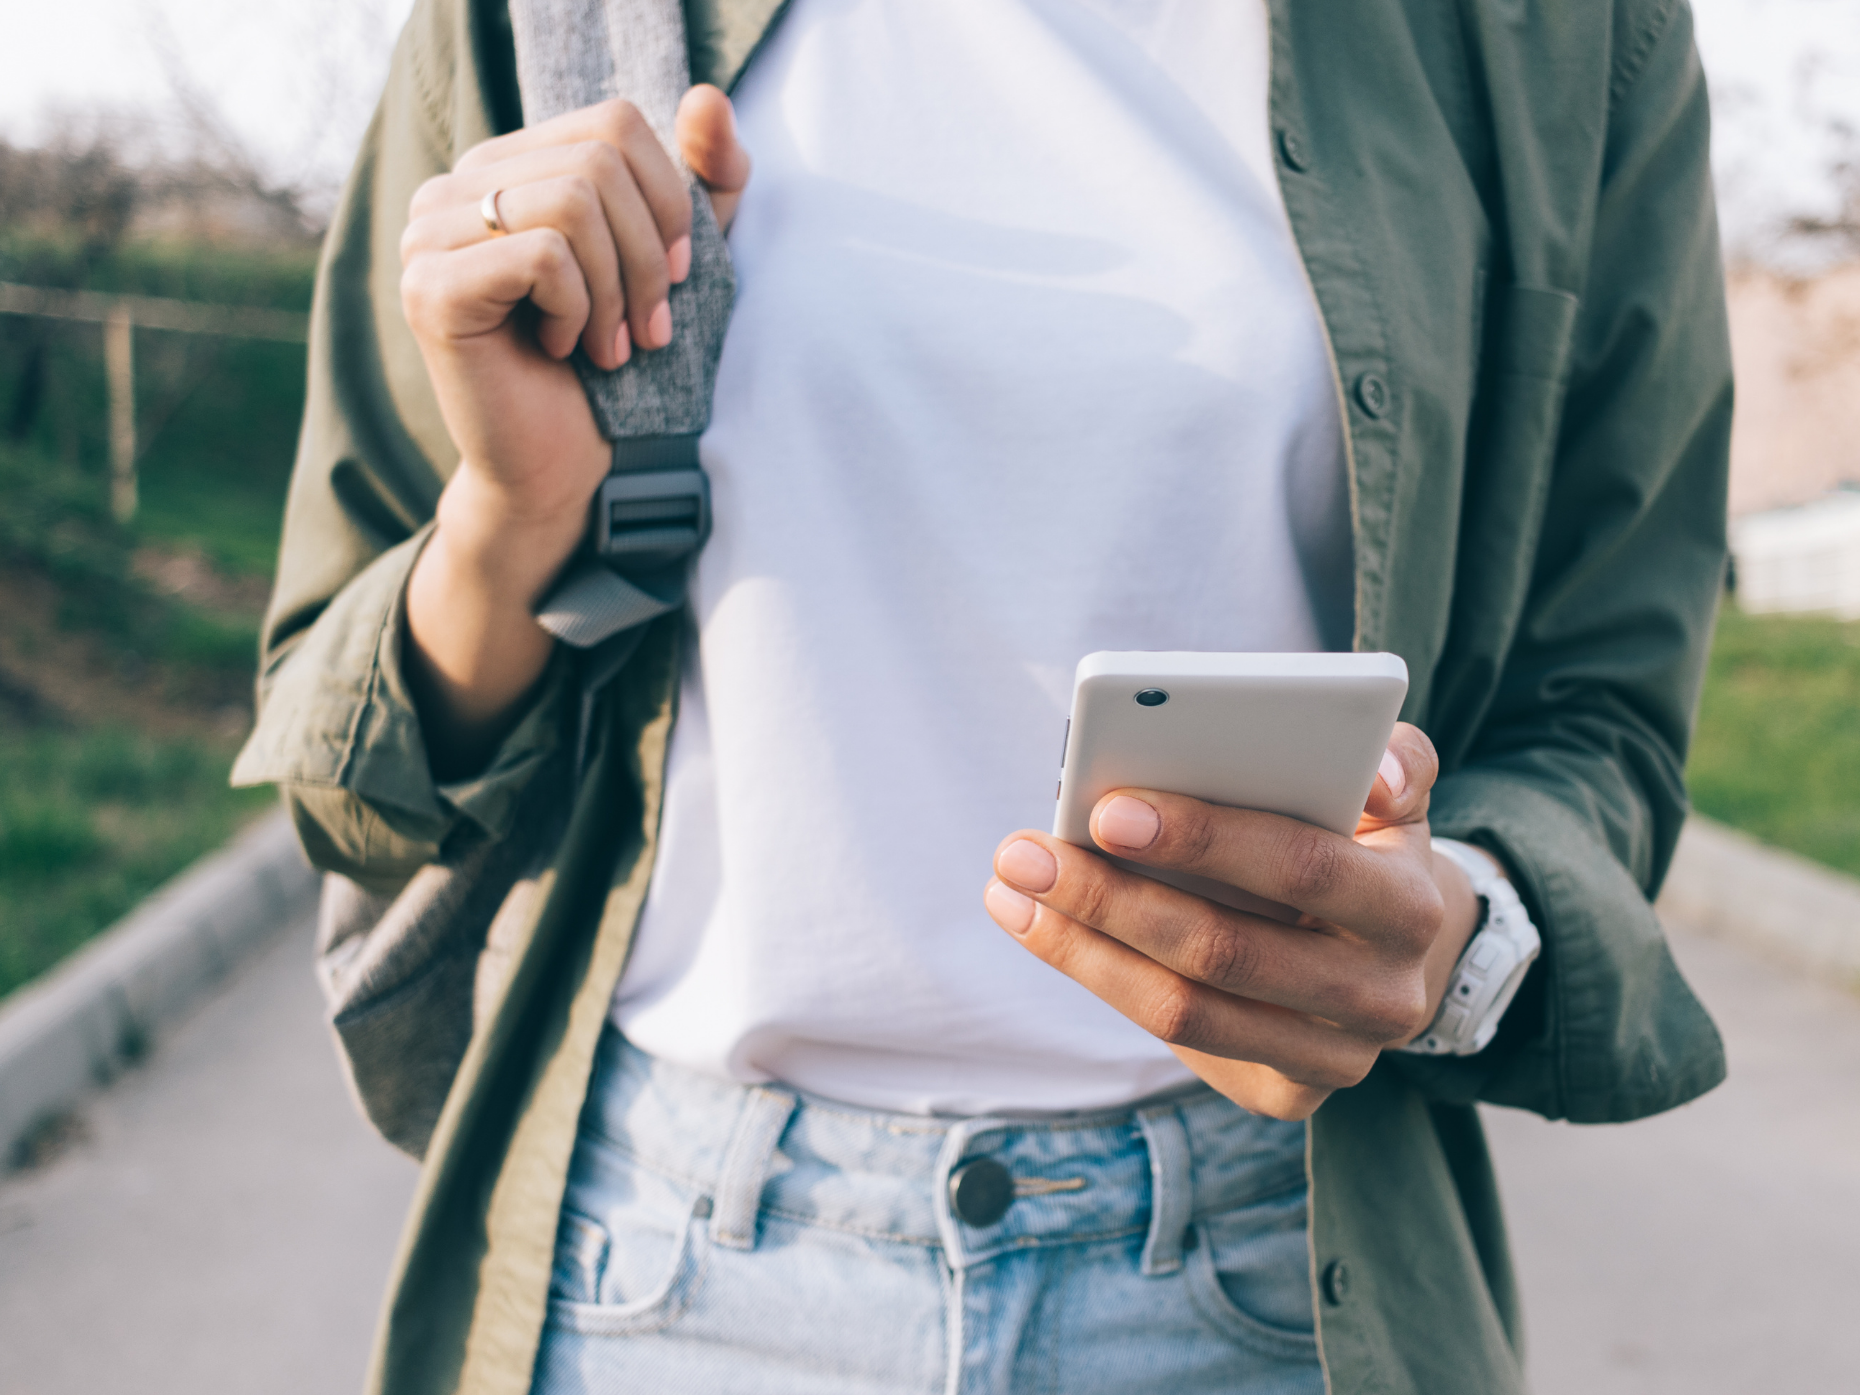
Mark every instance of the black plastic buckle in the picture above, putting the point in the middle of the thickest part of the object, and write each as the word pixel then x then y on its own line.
pixel 647 518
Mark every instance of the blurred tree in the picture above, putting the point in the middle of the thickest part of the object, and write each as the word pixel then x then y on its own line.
pixel 1837 232
pixel 73 186
pixel 81 194
pixel 70 207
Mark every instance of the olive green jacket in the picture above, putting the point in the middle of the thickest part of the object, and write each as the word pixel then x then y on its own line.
pixel 1506 215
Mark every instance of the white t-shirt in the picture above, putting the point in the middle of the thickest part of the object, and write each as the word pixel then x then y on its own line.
pixel 1023 365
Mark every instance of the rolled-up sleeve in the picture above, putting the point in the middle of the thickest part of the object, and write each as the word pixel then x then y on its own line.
pixel 339 735
pixel 337 729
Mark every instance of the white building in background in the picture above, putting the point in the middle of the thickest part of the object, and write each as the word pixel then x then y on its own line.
pixel 1805 558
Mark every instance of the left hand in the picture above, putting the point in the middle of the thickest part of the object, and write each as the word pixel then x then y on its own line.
pixel 1273 1013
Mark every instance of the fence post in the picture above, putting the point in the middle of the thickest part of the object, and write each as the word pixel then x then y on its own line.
pixel 119 336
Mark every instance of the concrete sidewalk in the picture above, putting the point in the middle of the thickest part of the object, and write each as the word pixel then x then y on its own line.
pixel 224 1223
pixel 228 1222
pixel 1709 1251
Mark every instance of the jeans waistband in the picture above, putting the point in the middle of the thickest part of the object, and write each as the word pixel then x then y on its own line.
pixel 752 1152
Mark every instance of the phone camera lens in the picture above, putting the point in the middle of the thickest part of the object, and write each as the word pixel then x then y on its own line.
pixel 1152 697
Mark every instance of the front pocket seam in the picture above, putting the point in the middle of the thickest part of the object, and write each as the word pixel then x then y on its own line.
pixel 1229 1318
pixel 651 1313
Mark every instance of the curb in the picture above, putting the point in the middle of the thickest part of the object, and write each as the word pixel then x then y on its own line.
pixel 1795 912
pixel 100 1010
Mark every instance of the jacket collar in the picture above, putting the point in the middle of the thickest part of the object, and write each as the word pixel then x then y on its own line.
pixel 723 35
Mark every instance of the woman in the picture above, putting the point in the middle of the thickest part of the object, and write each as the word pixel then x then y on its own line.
pixel 1062 326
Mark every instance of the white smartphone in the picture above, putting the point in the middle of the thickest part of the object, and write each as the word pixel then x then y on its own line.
pixel 1294 734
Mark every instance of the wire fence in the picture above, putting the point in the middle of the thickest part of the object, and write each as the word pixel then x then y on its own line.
pixel 121 316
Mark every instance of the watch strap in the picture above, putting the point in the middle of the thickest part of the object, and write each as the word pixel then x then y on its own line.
pixel 1491 967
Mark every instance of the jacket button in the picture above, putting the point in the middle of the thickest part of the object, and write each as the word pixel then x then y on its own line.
pixel 980 1192
pixel 1336 1282
pixel 1292 151
pixel 1372 395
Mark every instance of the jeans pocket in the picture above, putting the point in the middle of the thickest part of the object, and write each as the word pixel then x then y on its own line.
pixel 1250 1274
pixel 632 1270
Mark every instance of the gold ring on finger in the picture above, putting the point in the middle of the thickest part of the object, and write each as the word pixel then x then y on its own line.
pixel 487 210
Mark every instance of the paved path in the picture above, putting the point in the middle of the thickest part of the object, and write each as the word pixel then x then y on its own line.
pixel 1714 1250
pixel 226 1225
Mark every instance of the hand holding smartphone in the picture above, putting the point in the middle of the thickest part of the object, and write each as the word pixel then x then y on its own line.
pixel 1253 770
pixel 1295 734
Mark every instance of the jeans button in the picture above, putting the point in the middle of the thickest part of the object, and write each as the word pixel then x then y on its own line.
pixel 980 1192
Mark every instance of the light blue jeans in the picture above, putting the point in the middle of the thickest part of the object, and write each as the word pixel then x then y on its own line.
pixel 719 1239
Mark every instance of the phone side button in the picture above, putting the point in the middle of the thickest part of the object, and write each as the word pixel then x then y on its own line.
pixel 1058 787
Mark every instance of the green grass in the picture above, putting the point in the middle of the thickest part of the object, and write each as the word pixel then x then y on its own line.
pixel 55 520
pixel 94 815
pixel 90 823
pixel 278 278
pixel 1777 752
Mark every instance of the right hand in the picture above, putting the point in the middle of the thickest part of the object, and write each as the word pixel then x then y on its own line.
pixel 599 225
pixel 1274 1015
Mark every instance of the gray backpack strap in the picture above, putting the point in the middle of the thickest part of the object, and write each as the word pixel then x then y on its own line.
pixel 653 513
pixel 403 973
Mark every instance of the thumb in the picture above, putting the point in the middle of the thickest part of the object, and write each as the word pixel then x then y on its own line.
pixel 707 140
pixel 1406 778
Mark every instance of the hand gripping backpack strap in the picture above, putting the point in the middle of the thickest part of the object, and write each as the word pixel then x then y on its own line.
pixel 652 514
pixel 403 973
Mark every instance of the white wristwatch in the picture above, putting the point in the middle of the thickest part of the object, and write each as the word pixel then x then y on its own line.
pixel 1493 965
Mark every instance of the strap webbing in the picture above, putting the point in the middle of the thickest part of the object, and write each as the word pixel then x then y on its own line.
pixel 571 54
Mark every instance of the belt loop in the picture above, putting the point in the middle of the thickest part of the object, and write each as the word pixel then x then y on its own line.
pixel 955 1143
pixel 1172 1190
pixel 746 1166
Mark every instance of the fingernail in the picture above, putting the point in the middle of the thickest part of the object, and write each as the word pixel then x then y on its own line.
pixel 1129 823
pixel 678 258
pixel 623 344
pixel 1009 907
pixel 1026 863
pixel 659 327
pixel 1391 771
